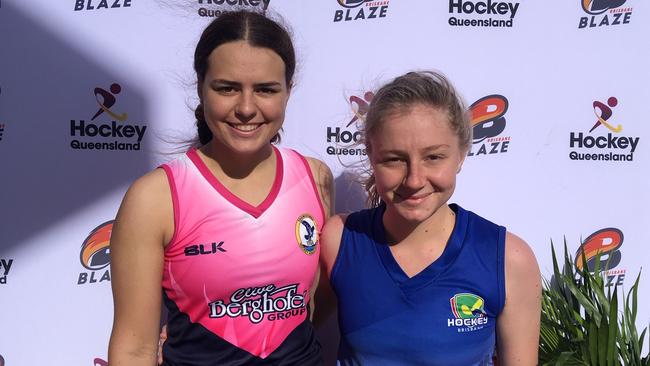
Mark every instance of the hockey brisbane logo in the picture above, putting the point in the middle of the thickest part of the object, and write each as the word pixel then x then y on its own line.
pixel 360 10
pixel 487 13
pixel 307 234
pixel 343 139
pixel 488 121
pixel 95 255
pixel 595 144
pixel 108 135
pixel 603 248
pixel 604 13
pixel 469 313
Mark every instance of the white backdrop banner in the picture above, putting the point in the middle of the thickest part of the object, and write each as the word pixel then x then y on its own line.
pixel 95 93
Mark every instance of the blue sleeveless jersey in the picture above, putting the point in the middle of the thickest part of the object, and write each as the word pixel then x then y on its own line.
pixel 444 315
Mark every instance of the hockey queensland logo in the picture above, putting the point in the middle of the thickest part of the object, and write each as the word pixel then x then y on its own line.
pixel 604 13
pixel 603 141
pixel 307 234
pixel 95 255
pixel 352 10
pixel 108 128
pixel 603 248
pixel 214 8
pixel 469 313
pixel 487 13
pixel 343 140
pixel 487 116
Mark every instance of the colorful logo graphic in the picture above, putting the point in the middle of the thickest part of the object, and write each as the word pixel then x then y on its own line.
pixel 595 7
pixel 617 148
pixel 605 243
pixel 467 306
pixel 603 13
pixel 604 112
pixel 95 250
pixel 98 5
pixel 5 267
pixel 352 3
pixel 345 139
pixel 307 233
pixel 360 106
pixel 107 101
pixel 99 362
pixel 469 313
pixel 487 116
pixel 354 10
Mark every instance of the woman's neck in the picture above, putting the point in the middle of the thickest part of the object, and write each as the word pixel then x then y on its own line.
pixel 436 228
pixel 236 165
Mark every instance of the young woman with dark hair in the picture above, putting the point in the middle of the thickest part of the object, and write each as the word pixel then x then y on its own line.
pixel 226 236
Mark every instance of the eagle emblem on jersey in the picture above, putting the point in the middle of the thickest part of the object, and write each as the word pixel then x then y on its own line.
pixel 307 233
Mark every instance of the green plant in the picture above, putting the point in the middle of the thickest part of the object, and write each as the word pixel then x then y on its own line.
pixel 581 323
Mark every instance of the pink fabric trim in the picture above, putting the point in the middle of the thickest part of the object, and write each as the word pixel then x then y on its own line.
pixel 255 211
pixel 172 187
pixel 313 183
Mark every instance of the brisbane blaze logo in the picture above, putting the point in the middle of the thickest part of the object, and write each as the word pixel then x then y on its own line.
pixel 95 254
pixel 469 312
pixel 603 13
pixel 307 233
pixel 602 248
pixel 361 10
pixel 595 7
pixel 487 116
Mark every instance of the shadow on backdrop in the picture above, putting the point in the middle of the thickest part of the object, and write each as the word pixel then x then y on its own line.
pixel 46 86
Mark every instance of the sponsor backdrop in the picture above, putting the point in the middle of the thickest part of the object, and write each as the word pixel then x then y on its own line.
pixel 94 93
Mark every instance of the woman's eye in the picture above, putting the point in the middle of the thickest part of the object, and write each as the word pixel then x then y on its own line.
pixel 225 89
pixel 267 91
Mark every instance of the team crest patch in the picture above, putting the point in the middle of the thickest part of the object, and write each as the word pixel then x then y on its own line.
pixel 307 234
pixel 469 312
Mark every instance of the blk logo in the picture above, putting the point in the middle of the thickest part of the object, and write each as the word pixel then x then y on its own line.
pixel 203 249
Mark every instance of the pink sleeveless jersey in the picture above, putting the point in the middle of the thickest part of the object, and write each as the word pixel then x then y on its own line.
pixel 242 273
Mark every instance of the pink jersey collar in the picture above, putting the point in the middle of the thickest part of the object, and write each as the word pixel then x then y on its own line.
pixel 255 211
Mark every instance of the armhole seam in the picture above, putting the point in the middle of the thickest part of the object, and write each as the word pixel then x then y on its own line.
pixel 501 280
pixel 172 187
pixel 310 174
